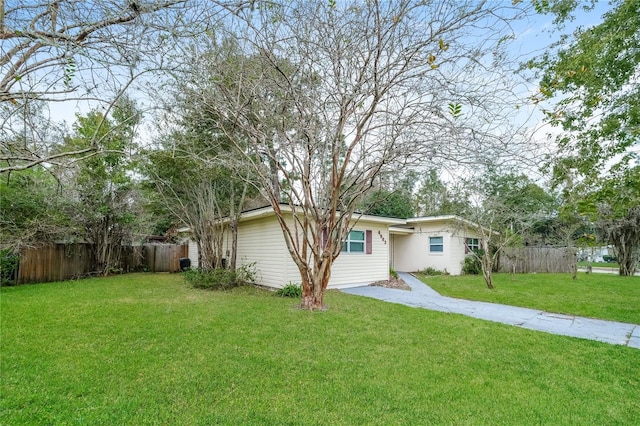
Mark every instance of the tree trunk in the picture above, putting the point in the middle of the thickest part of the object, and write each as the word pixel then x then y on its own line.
pixel 234 244
pixel 207 251
pixel 313 295
pixel 487 266
pixel 314 287
pixel 101 240
pixel 488 278
pixel 273 170
pixel 627 266
pixel 235 218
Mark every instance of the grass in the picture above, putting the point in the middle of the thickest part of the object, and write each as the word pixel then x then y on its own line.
pixel 146 349
pixel 612 265
pixel 602 296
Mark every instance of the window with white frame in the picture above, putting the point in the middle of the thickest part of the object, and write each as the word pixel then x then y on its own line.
pixel 354 242
pixel 473 244
pixel 436 244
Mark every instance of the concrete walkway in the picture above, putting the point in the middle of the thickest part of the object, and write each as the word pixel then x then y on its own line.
pixel 422 296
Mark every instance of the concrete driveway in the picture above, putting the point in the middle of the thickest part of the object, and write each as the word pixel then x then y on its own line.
pixel 422 296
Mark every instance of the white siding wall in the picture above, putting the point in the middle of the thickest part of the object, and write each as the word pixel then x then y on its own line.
pixel 411 252
pixel 193 253
pixel 456 253
pixel 261 241
pixel 359 268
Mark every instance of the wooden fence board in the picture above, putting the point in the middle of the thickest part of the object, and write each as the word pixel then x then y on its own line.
pixel 55 262
pixel 538 259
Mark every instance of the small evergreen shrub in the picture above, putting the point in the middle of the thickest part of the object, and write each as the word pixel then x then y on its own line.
pixel 9 262
pixel 217 279
pixel 290 290
pixel 432 272
pixel 472 264
pixel 393 273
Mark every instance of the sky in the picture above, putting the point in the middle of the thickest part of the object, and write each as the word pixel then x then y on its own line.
pixel 531 38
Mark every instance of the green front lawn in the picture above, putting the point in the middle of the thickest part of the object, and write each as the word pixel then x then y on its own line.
pixel 604 296
pixel 612 265
pixel 147 349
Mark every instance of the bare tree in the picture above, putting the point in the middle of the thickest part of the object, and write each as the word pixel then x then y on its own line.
pixel 64 53
pixel 206 197
pixel 322 97
pixel 506 206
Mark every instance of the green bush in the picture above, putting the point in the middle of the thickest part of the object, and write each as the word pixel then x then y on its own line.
pixel 393 273
pixel 472 264
pixel 290 290
pixel 247 273
pixel 221 279
pixel 9 262
pixel 609 259
pixel 432 272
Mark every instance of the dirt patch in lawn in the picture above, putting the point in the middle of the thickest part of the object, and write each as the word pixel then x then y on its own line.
pixel 397 283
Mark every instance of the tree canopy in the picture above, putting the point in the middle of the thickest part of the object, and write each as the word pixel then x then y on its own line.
pixel 592 79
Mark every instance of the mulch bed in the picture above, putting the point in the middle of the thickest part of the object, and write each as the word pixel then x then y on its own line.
pixel 397 283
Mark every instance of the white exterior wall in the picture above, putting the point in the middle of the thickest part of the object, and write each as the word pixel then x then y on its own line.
pixel 351 269
pixel 411 252
pixel 260 241
pixel 193 253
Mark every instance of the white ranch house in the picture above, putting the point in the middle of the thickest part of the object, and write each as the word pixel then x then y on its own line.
pixel 374 245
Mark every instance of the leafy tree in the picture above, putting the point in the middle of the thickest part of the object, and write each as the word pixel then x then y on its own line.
pixel 206 197
pixel 434 197
pixel 384 202
pixel 106 208
pixel 591 76
pixel 614 209
pixel 525 207
pixel 392 197
pixel 33 209
pixel 197 176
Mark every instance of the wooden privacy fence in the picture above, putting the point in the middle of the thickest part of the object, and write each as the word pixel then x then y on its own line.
pixel 538 259
pixel 57 262
pixel 163 257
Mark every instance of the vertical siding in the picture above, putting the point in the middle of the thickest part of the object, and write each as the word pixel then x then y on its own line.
pixel 163 257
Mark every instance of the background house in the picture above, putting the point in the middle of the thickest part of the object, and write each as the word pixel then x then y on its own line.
pixel 596 254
